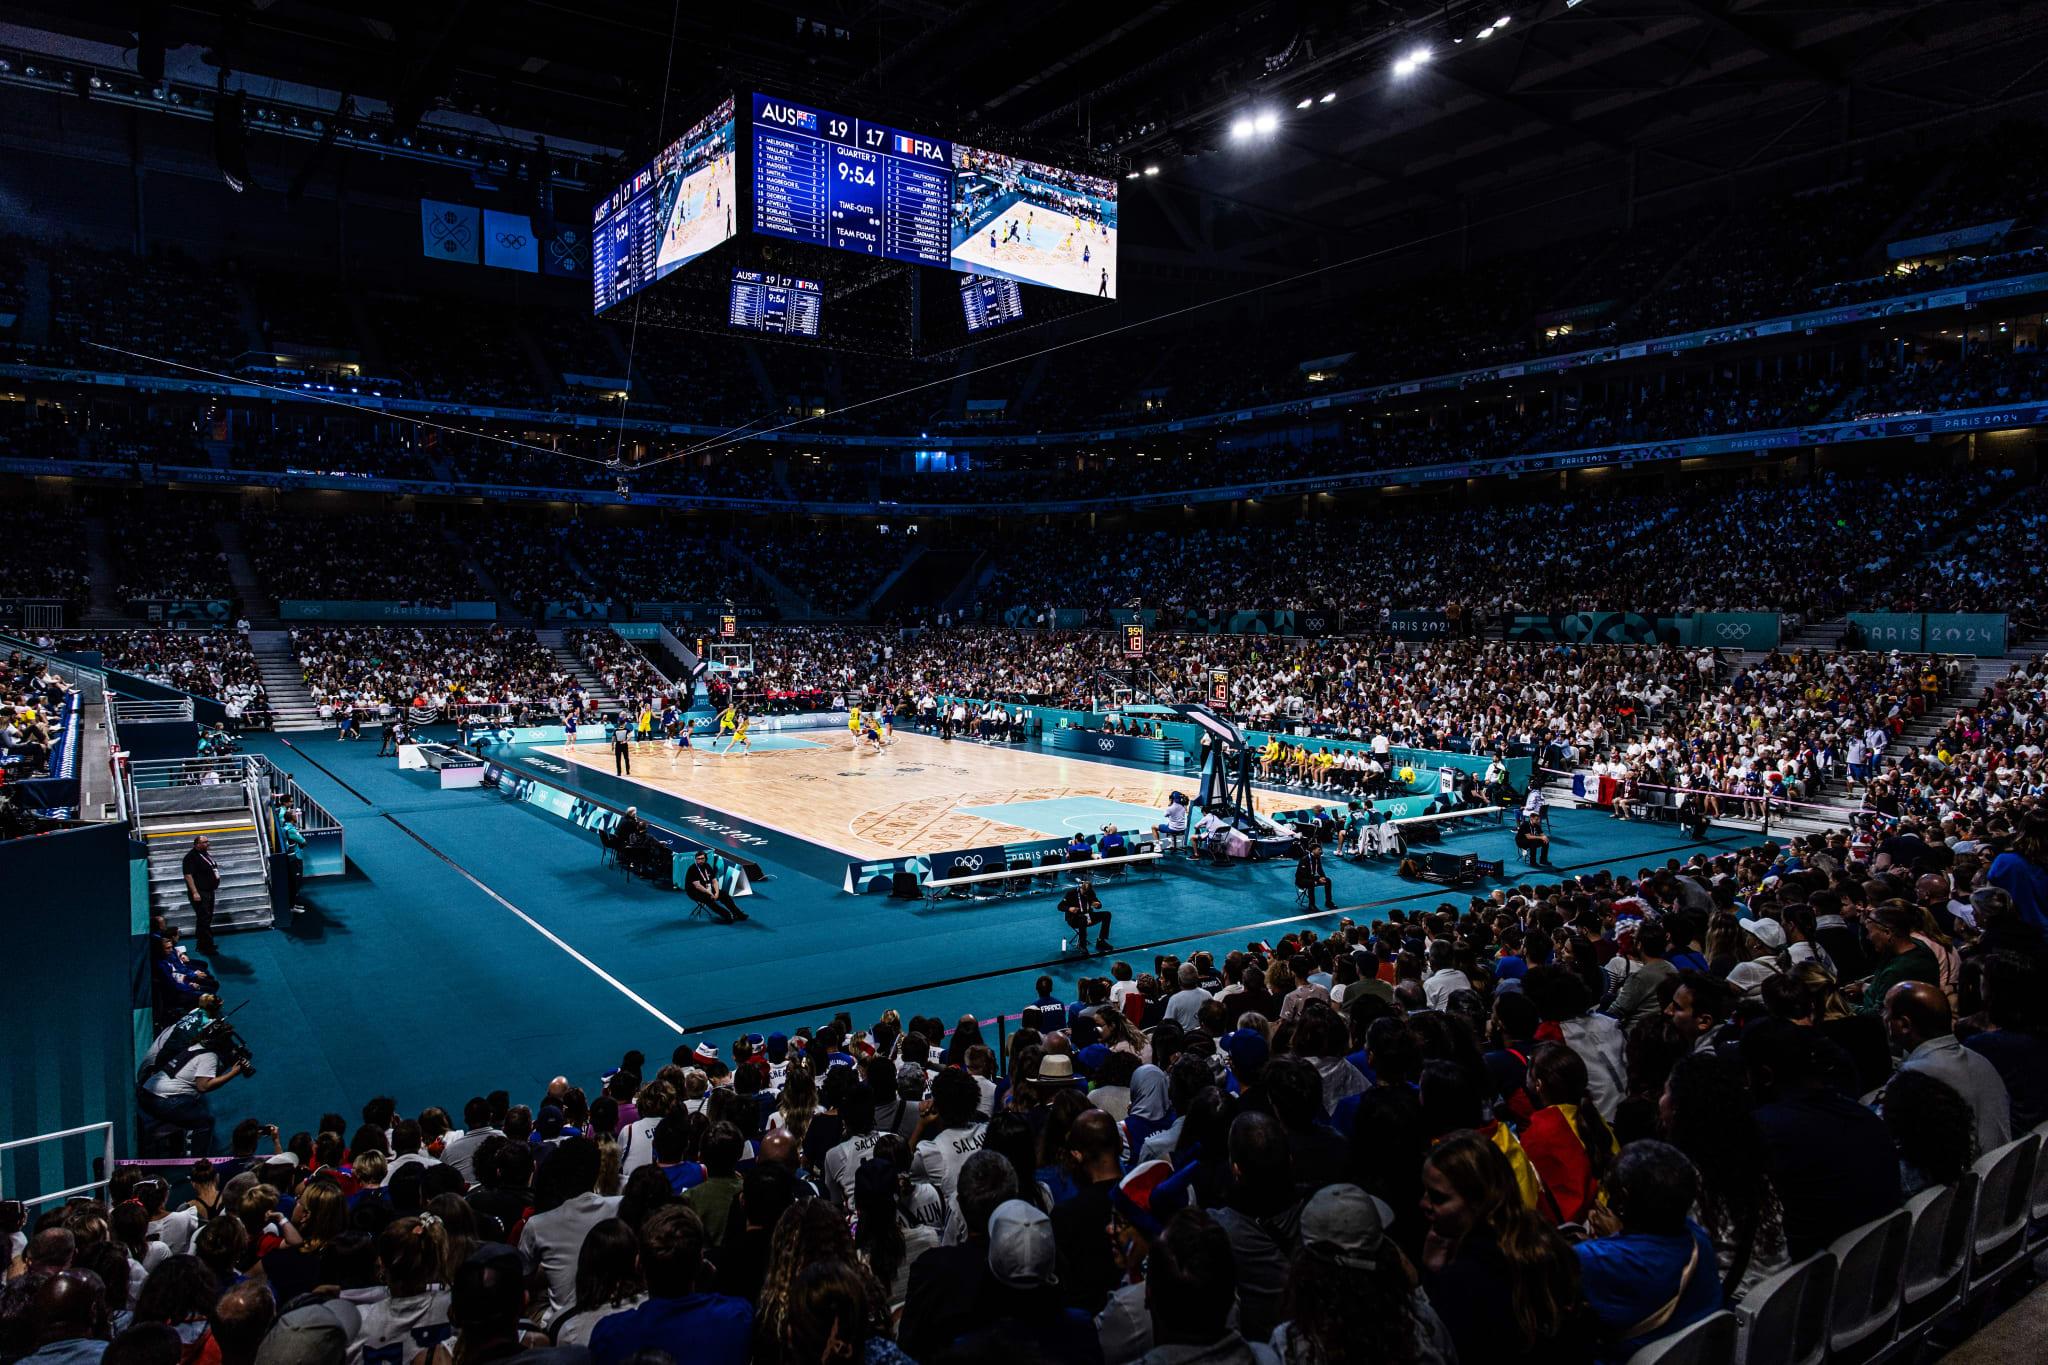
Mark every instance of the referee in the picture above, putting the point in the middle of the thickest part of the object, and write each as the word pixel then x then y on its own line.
pixel 622 745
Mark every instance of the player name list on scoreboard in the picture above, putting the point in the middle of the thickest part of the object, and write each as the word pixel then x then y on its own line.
pixel 777 304
pixel 843 182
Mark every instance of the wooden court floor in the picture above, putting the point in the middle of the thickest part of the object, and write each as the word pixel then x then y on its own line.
pixel 902 801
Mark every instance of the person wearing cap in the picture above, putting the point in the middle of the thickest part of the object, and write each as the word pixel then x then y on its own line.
pixel 1349 1283
pixel 1026 1304
pixel 1763 955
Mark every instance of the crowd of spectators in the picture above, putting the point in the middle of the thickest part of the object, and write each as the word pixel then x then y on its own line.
pixel 832 565
pixel 371 558
pixel 163 554
pixel 43 555
pixel 31 697
pixel 1557 1122
pixel 673 562
pixel 215 663
pixel 1998 562
pixel 387 672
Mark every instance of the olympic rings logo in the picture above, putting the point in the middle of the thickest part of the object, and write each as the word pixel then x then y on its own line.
pixel 972 862
pixel 1106 744
pixel 1732 631
pixel 512 240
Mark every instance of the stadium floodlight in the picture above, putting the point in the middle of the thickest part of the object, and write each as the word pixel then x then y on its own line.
pixel 1266 122
pixel 1151 170
pixel 1305 101
pixel 1502 22
pixel 1412 60
pixel 1132 175
pixel 1240 128
pixel 1329 97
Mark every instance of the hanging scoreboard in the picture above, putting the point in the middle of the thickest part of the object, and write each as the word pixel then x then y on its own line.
pixel 781 305
pixel 1134 640
pixel 1219 687
pixel 833 180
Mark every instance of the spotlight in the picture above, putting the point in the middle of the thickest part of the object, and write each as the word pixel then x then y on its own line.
pixel 1330 97
pixel 1240 128
pixel 1502 22
pixel 1151 170
pixel 1414 58
pixel 1132 175
pixel 1304 102
pixel 1266 122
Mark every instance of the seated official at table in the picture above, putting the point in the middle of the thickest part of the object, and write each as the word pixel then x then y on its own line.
pixel 701 885
pixel 1111 844
pixel 1082 910
pixel 1078 850
pixel 1175 826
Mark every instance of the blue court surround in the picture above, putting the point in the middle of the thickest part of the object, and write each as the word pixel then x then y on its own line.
pixel 1064 815
pixel 476 943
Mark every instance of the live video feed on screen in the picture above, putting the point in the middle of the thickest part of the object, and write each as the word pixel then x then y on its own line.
pixel 1038 224
pixel 674 210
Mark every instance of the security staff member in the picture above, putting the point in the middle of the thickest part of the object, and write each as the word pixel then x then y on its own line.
pixel 700 884
pixel 1082 910
pixel 1309 874
pixel 202 882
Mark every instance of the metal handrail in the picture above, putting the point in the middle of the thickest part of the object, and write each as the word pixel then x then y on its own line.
pixel 151 773
pixel 90 682
pixel 313 816
pixel 135 709
pixel 106 1164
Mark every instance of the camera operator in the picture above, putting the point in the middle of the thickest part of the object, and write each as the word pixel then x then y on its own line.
pixel 184 1065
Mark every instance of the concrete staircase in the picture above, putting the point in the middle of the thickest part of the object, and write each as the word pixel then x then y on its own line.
pixel 788 601
pixel 106 607
pixel 169 818
pixel 284 680
pixel 256 604
pixel 594 689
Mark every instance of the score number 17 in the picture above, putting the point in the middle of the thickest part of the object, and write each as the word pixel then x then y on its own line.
pixel 838 128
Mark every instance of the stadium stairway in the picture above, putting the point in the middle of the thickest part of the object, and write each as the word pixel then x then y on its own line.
pixel 169 817
pixel 601 696
pixel 105 608
pixel 788 601
pixel 257 604
pixel 910 561
pixel 290 703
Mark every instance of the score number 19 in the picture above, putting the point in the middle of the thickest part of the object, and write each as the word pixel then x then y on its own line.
pixel 838 128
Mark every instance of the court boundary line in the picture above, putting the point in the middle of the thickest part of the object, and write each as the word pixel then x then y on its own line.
pixel 550 935
pixel 1068 959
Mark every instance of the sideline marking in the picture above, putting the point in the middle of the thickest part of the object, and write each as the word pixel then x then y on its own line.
pixel 621 987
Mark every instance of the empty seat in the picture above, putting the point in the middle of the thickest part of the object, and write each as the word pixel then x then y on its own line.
pixel 1937 1251
pixel 2005 1196
pixel 1784 1319
pixel 1871 1262
pixel 1710 1341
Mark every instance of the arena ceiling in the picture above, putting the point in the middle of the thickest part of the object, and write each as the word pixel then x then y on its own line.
pixel 1651 95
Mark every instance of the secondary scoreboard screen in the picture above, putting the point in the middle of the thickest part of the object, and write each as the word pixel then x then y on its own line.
pixel 1023 220
pixel 990 302
pixel 837 181
pixel 677 208
pixel 780 305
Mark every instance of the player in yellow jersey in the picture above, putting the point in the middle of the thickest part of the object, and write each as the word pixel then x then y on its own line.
pixel 727 718
pixel 739 737
pixel 853 719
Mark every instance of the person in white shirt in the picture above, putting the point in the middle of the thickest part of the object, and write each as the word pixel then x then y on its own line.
pixel 956 1099
pixel 552 1241
pixel 460 1150
pixel 636 1143
pixel 413 1316
pixel 1444 979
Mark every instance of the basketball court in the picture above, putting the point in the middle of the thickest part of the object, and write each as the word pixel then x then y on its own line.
pixel 921 795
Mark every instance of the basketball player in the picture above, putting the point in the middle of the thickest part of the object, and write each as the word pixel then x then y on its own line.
pixel 728 717
pixel 853 719
pixel 739 737
pixel 888 726
pixel 871 737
